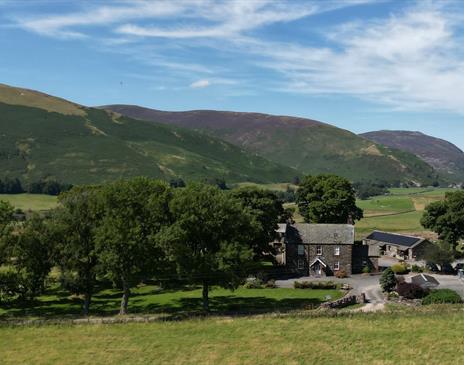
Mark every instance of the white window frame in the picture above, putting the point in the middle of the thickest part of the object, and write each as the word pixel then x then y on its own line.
pixel 319 250
pixel 300 264
pixel 301 250
pixel 336 265
pixel 337 251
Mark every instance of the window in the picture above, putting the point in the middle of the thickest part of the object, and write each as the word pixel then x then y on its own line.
pixel 337 265
pixel 300 250
pixel 337 251
pixel 300 264
pixel 319 250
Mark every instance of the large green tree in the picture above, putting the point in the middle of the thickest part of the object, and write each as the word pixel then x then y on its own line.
pixel 267 210
pixel 77 219
pixel 6 218
pixel 446 217
pixel 209 239
pixel 133 212
pixel 327 199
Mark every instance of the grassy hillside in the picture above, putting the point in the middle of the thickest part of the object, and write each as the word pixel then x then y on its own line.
pixel 32 202
pixel 415 336
pixel 442 155
pixel 307 145
pixel 87 145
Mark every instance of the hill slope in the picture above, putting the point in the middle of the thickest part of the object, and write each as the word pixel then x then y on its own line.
pixel 307 145
pixel 442 155
pixel 43 136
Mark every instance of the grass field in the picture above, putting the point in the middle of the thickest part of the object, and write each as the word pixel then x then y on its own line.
pixel 30 201
pixel 149 299
pixel 418 336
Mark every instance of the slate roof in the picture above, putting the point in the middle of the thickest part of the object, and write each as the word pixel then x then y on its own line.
pixel 395 239
pixel 320 233
pixel 425 280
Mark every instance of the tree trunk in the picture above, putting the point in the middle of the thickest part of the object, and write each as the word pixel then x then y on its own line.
pixel 87 300
pixel 205 296
pixel 125 298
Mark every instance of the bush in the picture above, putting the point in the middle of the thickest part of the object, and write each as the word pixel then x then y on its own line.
pixel 10 284
pixel 416 268
pixel 388 280
pixel 253 284
pixel 270 284
pixel 366 269
pixel 399 269
pixel 341 274
pixel 410 290
pixel 442 296
pixel 314 285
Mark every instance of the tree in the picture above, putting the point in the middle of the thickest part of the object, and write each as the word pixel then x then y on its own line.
pixel 441 253
pixel 388 280
pixel 446 217
pixel 77 219
pixel 133 212
pixel 33 254
pixel 327 199
pixel 6 218
pixel 209 238
pixel 267 210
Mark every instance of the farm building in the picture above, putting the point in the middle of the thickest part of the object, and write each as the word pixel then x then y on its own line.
pixel 319 249
pixel 397 245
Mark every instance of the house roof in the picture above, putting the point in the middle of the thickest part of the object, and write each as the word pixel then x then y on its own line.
pixel 320 233
pixel 424 279
pixel 395 239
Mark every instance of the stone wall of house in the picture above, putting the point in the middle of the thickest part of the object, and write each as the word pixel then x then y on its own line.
pixel 292 257
pixel 329 257
pixel 361 259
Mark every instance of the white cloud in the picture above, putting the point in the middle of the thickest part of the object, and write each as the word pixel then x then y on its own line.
pixel 200 84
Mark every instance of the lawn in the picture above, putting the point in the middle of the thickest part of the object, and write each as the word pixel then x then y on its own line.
pixel 413 337
pixel 150 299
pixel 33 202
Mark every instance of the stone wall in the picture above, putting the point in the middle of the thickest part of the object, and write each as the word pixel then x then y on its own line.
pixel 329 257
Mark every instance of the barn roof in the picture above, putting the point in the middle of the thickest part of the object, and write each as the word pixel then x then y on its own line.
pixel 320 233
pixel 395 239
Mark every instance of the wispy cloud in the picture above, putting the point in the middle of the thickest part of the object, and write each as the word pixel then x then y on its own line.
pixel 200 84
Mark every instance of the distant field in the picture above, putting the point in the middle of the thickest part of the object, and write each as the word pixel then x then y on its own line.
pixel 33 202
pixel 411 337
pixel 274 187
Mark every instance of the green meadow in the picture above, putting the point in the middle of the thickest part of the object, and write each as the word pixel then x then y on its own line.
pixel 34 202
pixel 415 336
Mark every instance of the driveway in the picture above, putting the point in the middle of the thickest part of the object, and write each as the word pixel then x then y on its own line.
pixel 367 284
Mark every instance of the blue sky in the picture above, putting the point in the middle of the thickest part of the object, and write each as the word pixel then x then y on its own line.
pixel 361 65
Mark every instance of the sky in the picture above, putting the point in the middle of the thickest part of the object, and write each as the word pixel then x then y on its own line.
pixel 362 65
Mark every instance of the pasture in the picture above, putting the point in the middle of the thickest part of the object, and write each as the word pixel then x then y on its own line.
pixel 414 336
pixel 34 202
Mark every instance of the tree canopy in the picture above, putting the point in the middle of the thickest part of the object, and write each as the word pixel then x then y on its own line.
pixel 446 217
pixel 209 238
pixel 327 199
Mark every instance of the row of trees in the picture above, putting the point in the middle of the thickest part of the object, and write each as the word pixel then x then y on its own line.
pixel 46 186
pixel 135 230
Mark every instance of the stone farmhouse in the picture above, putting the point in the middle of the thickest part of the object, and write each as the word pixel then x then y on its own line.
pixel 399 246
pixel 319 249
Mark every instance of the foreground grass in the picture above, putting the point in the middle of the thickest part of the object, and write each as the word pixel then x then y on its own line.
pixel 150 299
pixel 412 337
pixel 33 202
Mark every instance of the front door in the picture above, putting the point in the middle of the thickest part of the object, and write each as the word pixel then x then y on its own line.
pixel 317 268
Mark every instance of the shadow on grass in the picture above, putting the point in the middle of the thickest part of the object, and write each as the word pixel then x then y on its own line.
pixel 106 303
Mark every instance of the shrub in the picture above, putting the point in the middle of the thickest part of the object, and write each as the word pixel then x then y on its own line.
pixel 442 296
pixel 366 269
pixel 410 290
pixel 10 284
pixel 314 285
pixel 388 280
pixel 341 274
pixel 399 269
pixel 270 284
pixel 253 284
pixel 416 268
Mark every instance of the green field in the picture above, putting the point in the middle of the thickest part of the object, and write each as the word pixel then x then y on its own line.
pixel 150 299
pixel 417 336
pixel 27 202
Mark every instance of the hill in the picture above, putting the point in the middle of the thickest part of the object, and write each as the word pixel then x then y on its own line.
pixel 442 155
pixel 42 136
pixel 304 144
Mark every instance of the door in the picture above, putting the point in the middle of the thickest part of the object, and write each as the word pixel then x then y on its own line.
pixel 317 268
